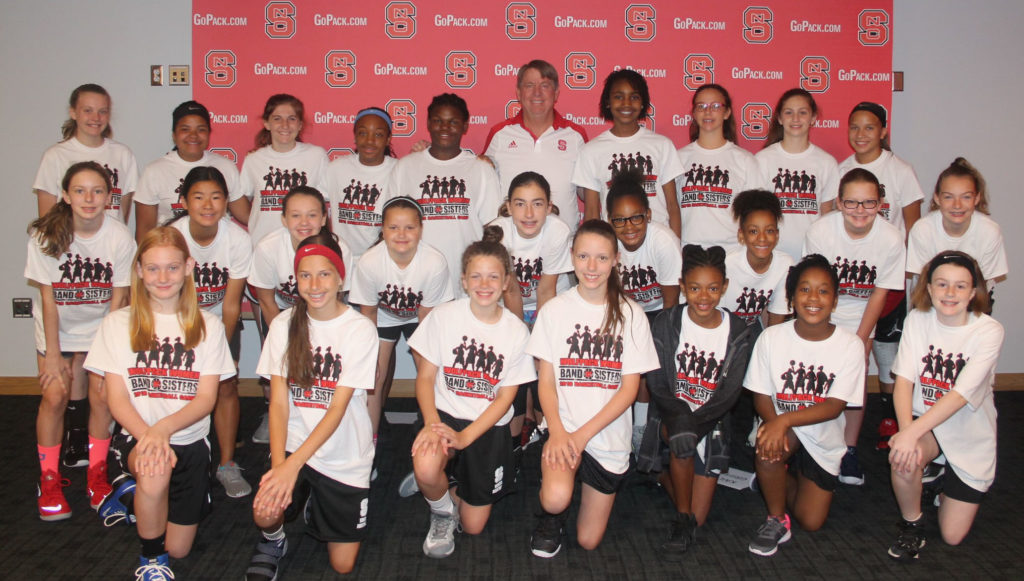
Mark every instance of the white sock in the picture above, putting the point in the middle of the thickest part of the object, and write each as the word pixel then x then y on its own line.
pixel 640 413
pixel 443 505
pixel 275 535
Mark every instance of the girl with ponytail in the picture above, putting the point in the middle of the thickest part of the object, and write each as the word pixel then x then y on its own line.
pixel 320 358
pixel 592 344
pixel 80 262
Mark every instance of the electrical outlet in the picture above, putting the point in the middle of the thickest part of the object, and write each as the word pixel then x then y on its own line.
pixel 156 75
pixel 179 75
pixel 22 308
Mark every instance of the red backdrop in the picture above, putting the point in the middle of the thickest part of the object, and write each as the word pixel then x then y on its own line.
pixel 339 57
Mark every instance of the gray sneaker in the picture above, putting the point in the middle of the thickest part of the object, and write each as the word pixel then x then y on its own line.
pixel 230 477
pixel 769 536
pixel 440 541
pixel 408 486
pixel 262 433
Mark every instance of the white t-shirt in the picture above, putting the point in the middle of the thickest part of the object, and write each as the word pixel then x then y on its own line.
pixel 273 267
pixel 458 197
pixel 164 378
pixel 709 181
pixel 926 357
pixel 699 358
pixel 356 191
pixel 899 183
pixel 657 262
pixel 781 367
pixel 802 181
pixel 161 181
pixel 983 241
pixel 116 158
pixel 229 256
pixel 344 354
pixel 653 155
pixel 83 281
pixel 474 359
pixel 398 293
pixel 267 175
pixel 589 367
pixel 750 293
pixel 876 260
pixel 553 154
pixel 545 253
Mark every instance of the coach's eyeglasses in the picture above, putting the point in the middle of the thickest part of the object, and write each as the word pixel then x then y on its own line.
pixel 868 204
pixel 716 107
pixel 635 220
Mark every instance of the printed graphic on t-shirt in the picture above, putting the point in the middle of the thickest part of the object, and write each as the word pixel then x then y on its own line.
pixel 593 359
pixel 357 205
pixel 326 371
pixel 796 190
pixel 115 190
pixel 705 186
pixel 83 281
pixel 475 371
pixel 640 283
pixel 640 163
pixel 276 184
pixel 884 209
pixel 752 303
pixel 164 371
pixel 288 290
pixel 444 198
pixel 400 301
pixel 697 374
pixel 856 278
pixel 211 283
pixel 528 274
pixel 177 208
pixel 803 385
pixel 940 373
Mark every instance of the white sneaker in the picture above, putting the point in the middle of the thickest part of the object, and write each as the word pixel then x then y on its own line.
pixel 262 433
pixel 408 486
pixel 440 541
pixel 230 477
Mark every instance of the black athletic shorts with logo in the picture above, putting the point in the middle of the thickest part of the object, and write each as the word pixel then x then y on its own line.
pixel 484 470
pixel 188 499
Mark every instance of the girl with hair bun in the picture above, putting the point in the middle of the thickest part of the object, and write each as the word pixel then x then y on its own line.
pixel 757 269
pixel 704 351
pixel 804 176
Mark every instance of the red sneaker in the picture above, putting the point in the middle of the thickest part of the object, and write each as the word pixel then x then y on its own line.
pixel 887 429
pixel 52 504
pixel 99 488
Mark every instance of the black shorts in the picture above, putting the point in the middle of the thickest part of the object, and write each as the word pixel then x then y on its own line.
pixel 391 334
pixel 957 489
pixel 188 498
pixel 335 511
pixel 890 325
pixel 484 470
pixel 802 463
pixel 519 403
pixel 595 476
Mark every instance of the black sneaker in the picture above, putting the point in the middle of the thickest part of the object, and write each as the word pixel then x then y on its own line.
pixel 932 472
pixel 75 451
pixel 908 544
pixel 266 559
pixel 682 534
pixel 850 471
pixel 546 540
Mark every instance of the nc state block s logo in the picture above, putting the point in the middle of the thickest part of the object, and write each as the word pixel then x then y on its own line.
pixel 280 19
pixel 400 19
pixel 699 70
pixel 640 25
pixel 814 74
pixel 873 27
pixel 757 121
pixel 521 19
pixel 757 25
pixel 580 70
pixel 220 69
pixel 461 67
pixel 403 117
